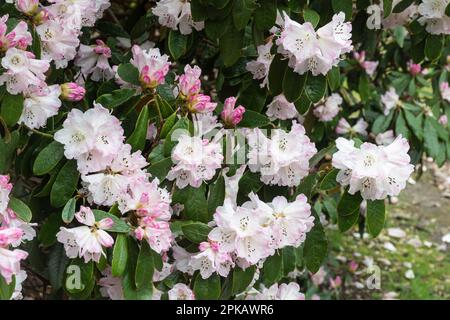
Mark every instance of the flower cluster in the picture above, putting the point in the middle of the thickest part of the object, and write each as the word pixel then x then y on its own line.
pixel 375 171
pixel 282 159
pixel 152 66
pixel 247 234
pixel 260 67
pixel 13 232
pixel 290 291
pixel 308 50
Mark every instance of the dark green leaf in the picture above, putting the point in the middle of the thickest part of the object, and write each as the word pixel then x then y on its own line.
pixel 376 215
pixel 139 136
pixel 207 289
pixel 129 73
pixel 116 98
pixel 48 158
pixel 315 87
pixel 196 232
pixel 68 212
pixel 276 74
pixel 65 184
pixel 12 106
pixel 119 226
pixel 145 266
pixel 20 209
pixel 177 44
pixel 293 85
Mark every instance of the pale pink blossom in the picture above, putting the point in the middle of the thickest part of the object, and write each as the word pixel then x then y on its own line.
pixel 176 14
pixel 22 71
pixel 180 291
pixel 284 291
pixel 157 233
pixel 5 190
pixel 281 108
pixel 110 286
pixel 443 120
pixel 368 66
pixel 28 7
pixel 344 128
pixel 390 100
pixel 19 37
pixel 260 67
pixel 433 16
pixel 189 83
pixel 211 259
pixel 71 91
pixel 39 105
pixel 445 91
pixel 201 103
pixel 329 109
pixel 89 240
pixel 385 138
pixel 93 61
pixel 10 259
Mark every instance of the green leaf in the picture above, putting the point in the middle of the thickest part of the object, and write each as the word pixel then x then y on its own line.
pixel 387 7
pixel 216 195
pixel 273 267
pixel 415 123
pixel 289 258
pixel 431 139
pixel 230 46
pixel 207 289
pixel 433 46
pixel 334 78
pixel 161 168
pixel 307 186
pixel 346 222
pixel 401 127
pixel 49 229
pixel 293 84
pixel 48 158
pixel 349 204
pixel 315 88
pixel 68 212
pixel 196 232
pixel 120 255
pixel 242 279
pixel 119 226
pixel 311 16
pixel 345 6
pixel 364 87
pixel 20 208
pixel 376 215
pixel 7 290
pixel 177 44
pixel 168 125
pixel 12 106
pixel 80 280
pixel 315 247
pixel 276 74
pixel 129 73
pixel 116 98
pixel 195 203
pixel 254 119
pixel 65 184
pixel 402 5
pixel 329 181
pixel 303 104
pixel 266 14
pixel 139 136
pixel 57 264
pixel 242 12
pixel 145 266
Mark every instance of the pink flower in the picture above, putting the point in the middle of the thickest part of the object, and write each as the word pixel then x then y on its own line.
pixel 445 91
pixel 201 103
pixel 72 92
pixel 327 111
pixel 368 66
pixel 157 234
pixel 10 259
pixel 390 100
pixel 87 241
pixel 353 266
pixel 336 282
pixel 189 83
pixel 281 108
pixel 344 127
pixel 19 37
pixel 153 67
pixel 231 115
pixel 5 190
pixel 93 60
pixel 414 68
pixel 211 259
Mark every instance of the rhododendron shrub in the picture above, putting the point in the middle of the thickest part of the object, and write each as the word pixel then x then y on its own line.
pixel 184 150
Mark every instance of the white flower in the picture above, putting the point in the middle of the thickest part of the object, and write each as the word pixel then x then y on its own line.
pixel 196 160
pixel 284 291
pixel 39 105
pixel 433 15
pixel 390 100
pixel 282 160
pixel 385 138
pixel 260 67
pixel 211 259
pixel 327 111
pixel 110 286
pixel 93 61
pixel 176 13
pixel 281 109
pixel 344 127
pixel 87 241
pixel 287 222
pixel 22 71
pixel 59 43
pixel 375 171
pixel 180 291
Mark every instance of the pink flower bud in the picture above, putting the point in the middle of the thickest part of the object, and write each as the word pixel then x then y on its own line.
pixel 28 7
pixel 336 282
pixel 231 116
pixel 72 92
pixel 189 83
pixel 102 49
pixel 201 103
pixel 443 120
pixel 414 68
pixel 353 266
